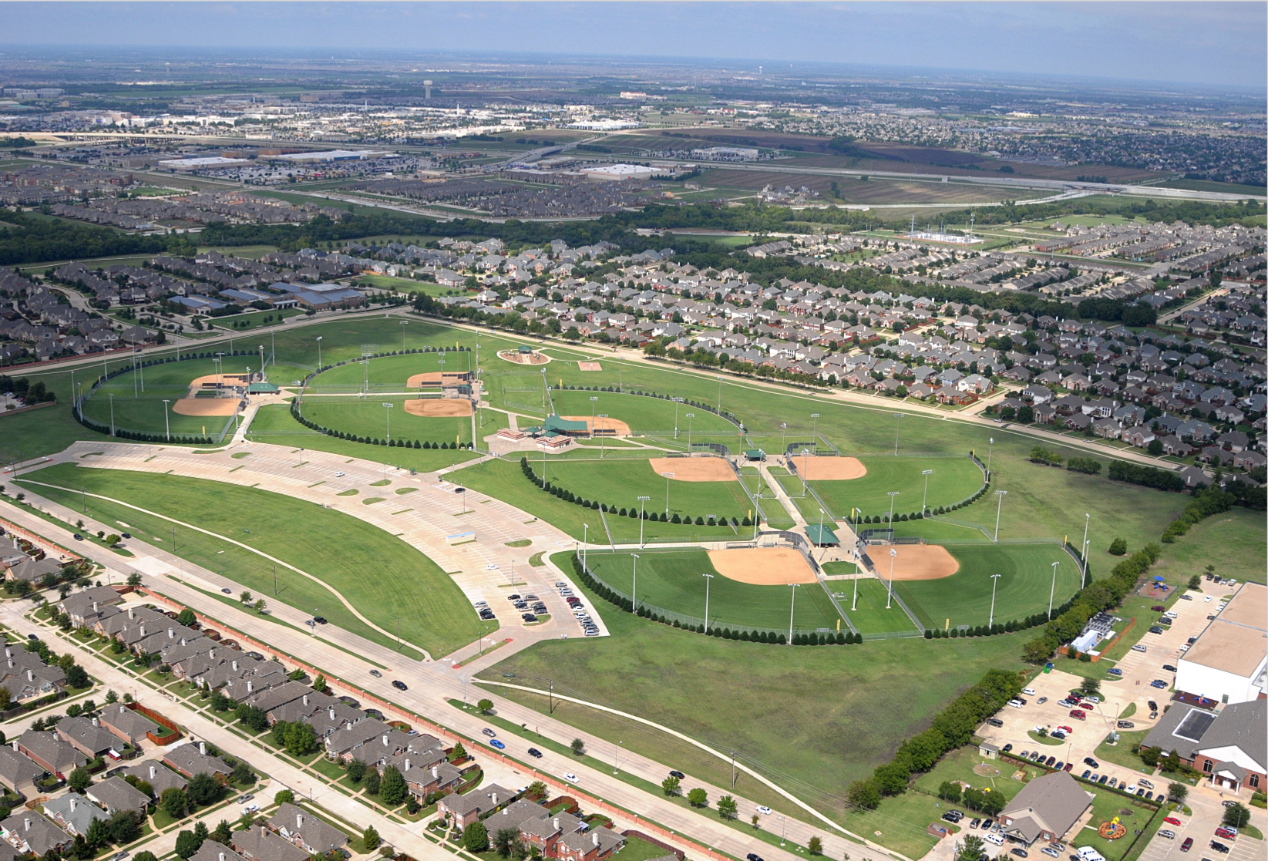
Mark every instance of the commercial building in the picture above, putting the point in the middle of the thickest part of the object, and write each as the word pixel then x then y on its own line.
pixel 1229 661
pixel 1047 808
pixel 1230 746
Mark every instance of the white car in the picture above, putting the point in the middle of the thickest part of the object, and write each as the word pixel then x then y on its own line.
pixel 763 809
pixel 250 808
pixel 1172 614
pixel 1132 789
pixel 1030 692
pixel 571 778
pixel 994 838
pixel 1138 648
pixel 1207 599
pixel 339 474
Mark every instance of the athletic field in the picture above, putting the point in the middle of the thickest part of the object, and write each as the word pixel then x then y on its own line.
pixel 619 483
pixel 367 417
pixel 143 411
pixel 953 479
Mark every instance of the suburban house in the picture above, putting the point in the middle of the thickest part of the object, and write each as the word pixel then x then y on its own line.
pixel 461 810
pixel 157 775
pixel 74 813
pixel 261 844
pixel 1046 808
pixel 50 752
pixel 19 772
pixel 114 794
pixel 307 831
pixel 189 760
pixel 29 831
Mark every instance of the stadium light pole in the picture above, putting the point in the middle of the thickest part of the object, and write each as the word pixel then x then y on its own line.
pixel 404 323
pixel 719 394
pixel 792 611
pixel 387 406
pixel 1083 581
pixel 924 503
pixel 634 588
pixel 893 555
pixel 990 624
pixel 1052 592
pixel 783 439
pixel 585 543
pixel 1001 494
pixel 641 501
pixel 897 416
pixel 690 416
pixel 167 423
pixel 707 578
pixel 593 401
pixel 677 401
pixel 990 449
pixel 319 352
pixel 854 512
pixel 668 475
pixel 1087 521
pixel 814 428
pixel 111 413
pixel 805 468
pixel 891 494
pixel 601 438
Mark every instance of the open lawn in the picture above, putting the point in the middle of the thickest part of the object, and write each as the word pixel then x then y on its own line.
pixel 953 479
pixel 254 319
pixel 674 580
pixel 433 612
pixel 653 416
pixel 367 417
pixel 402 285
pixel 387 373
pixel 620 483
pixel 964 598
pixel 815 718
pixel 1232 541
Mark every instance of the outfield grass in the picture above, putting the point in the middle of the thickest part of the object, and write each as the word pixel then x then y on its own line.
pixel 387 373
pixel 814 719
pixel 954 479
pixel 274 424
pixel 965 597
pixel 647 415
pixel 143 409
pixel 674 580
pixel 871 616
pixel 367 417
pixel 432 610
pixel 622 482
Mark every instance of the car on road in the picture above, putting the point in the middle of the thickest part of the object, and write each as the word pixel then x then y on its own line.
pixel 250 808
pixel 1187 844
pixel 1153 707
pixel 376 674
pixel 753 856
pixel 764 810
pixel 248 797
pixel 1030 692
pixel 571 778
pixel 1167 833
pixel 1171 820
pixel 399 685
pixel 78 537
pixel 498 743
pixel 490 733
pixel 227 590
pixel 320 620
pixel 677 774
pixel 1230 803
pixel 534 753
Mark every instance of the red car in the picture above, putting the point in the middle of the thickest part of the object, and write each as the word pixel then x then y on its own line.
pixel 1088 706
pixel 1078 715
pixel 1171 820
pixel 1226 833
pixel 1066 729
pixel 1187 844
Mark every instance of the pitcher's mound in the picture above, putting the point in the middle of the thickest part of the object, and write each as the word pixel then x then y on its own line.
pixel 438 407
pixel 615 427
pixel 763 566
pixel 694 468
pixel 589 366
pixel 915 561
pixel 205 406
pixel 829 468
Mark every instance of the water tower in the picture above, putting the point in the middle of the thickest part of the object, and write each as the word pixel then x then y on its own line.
pixel 427 90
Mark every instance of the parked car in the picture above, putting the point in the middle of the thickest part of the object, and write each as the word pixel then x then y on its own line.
pixel 1187 844
pixel 1086 772
pixel 1219 847
pixel 1050 852
pixel 1078 714
pixel 1158 683
pixel 1114 671
pixel 1125 724
pixel 1226 832
pixel 1154 629
pixel 1019 852
pixel 1171 820
pixel 753 856
pixel 1170 668
pixel 994 721
pixel 1041 701
pixel 1167 833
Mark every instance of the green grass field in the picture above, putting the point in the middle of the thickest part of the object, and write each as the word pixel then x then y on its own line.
pixel 869 614
pixel 402 285
pixel 953 479
pixel 1232 541
pixel 965 597
pixel 620 482
pixel 143 410
pixel 367 417
pixel 253 319
pixel 387 373
pixel 674 580
pixel 432 610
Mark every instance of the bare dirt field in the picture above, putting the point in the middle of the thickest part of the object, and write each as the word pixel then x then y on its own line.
pixel 829 468
pixel 589 366
pixel 439 407
pixel 205 406
pixel 619 428
pixel 915 561
pixel 523 358
pixel 694 468
pixel 763 566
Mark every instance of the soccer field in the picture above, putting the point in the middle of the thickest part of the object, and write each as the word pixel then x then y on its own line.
pixel 674 580
pixel 953 479
pixel 965 597
pixel 620 483
pixel 335 548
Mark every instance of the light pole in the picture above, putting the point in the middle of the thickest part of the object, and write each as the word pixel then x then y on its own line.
pixel 73 398
pixel 387 406
pixel 634 588
pixel 821 532
pixel 924 503
pixel 641 500
pixel 990 449
pixel 990 624
pixel 111 413
pixel 893 555
pixel 891 494
pixel 690 416
pixel 719 394
pixel 319 353
pixel 585 542
pixel 814 429
pixel 897 416
pixel 167 423
pixel 404 323
pixel 1052 593
pixel 792 610
pixel 854 512
pixel 668 475
pixel 783 439
pixel 805 469
pixel 707 578
pixel 1087 521
pixel 615 753
pixel 677 401
pixel 1083 580
pixel 592 426
pixel 1001 494
pixel 601 437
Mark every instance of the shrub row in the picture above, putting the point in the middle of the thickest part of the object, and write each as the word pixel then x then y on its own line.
pixel 661 517
pixel 942 509
pixel 1148 476
pixel 394 443
pixel 1206 501
pixel 1010 627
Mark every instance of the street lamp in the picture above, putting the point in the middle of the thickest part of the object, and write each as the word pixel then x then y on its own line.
pixel 792 610
pixel 1052 593
pixel 893 555
pixel 707 578
pixel 641 500
pixel 388 407
pixel 167 422
pixel 634 588
pixel 668 475
pixel 990 624
pixel 924 503
pixel 1001 494
pixel 897 416
pixel 891 494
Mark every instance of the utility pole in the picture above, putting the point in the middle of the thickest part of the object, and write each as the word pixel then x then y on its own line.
pixel 1001 494
pixel 994 582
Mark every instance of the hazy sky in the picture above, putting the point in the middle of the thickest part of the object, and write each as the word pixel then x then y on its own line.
pixel 1222 44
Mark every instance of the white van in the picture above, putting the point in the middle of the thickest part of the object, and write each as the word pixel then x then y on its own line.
pixel 1087 853
pixel 1015 703
pixel 996 839
pixel 1030 692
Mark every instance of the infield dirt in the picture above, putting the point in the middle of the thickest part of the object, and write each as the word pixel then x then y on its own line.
pixel 763 566
pixel 694 468
pixel 438 407
pixel 915 561
pixel 829 468
pixel 618 427
pixel 205 406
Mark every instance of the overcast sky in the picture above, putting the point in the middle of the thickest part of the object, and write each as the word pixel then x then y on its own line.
pixel 1210 43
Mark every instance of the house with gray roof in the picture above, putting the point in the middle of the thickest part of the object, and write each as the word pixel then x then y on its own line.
pixel 19 772
pixel 461 810
pixel 74 813
pixel 29 831
pixel 260 844
pixel 114 794
pixel 157 775
pixel 307 831
pixel 49 751
pixel 128 725
pixel 1047 807
pixel 190 759
pixel 88 737
pixel 213 851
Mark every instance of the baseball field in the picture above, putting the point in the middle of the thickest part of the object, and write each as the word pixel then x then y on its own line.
pixel 138 397
pixel 621 482
pixel 368 417
pixel 952 480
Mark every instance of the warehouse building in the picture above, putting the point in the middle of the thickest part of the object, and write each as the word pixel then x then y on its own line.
pixel 1229 661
